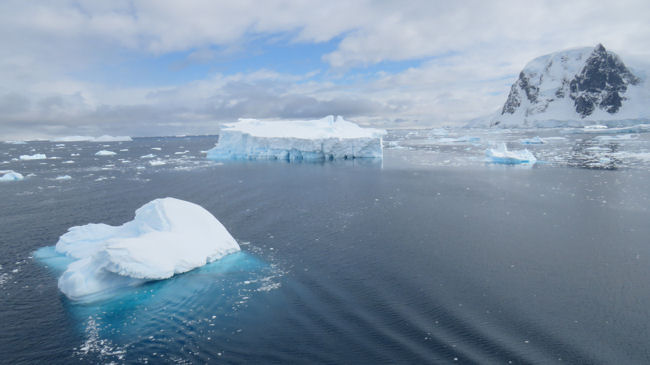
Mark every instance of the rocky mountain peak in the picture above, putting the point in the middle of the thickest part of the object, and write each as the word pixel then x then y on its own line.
pixel 578 81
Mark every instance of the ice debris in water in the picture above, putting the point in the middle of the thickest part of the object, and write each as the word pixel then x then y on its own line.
pixel 105 153
pixel 501 155
pixel 167 236
pixel 534 140
pixel 324 139
pixel 36 156
pixel 10 175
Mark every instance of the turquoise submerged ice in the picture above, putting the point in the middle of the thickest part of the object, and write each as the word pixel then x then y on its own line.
pixel 313 140
pixel 501 155
pixel 167 237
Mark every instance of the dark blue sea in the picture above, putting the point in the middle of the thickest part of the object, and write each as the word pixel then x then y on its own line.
pixel 431 256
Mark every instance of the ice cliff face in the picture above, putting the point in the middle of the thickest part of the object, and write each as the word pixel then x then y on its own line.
pixel 574 87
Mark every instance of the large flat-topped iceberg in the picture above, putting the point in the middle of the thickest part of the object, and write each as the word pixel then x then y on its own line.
pixel 322 139
pixel 167 236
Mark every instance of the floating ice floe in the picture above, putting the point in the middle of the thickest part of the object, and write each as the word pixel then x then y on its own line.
pixel 167 237
pixel 501 155
pixel 151 155
pixel 534 140
pixel 36 156
pixel 104 138
pixel 10 175
pixel 463 139
pixel 63 177
pixel 105 153
pixel 157 162
pixel 323 139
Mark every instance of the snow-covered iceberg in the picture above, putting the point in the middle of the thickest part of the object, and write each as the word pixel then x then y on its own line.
pixel 501 155
pixel 36 156
pixel 105 153
pixel 10 175
pixel 167 236
pixel 323 139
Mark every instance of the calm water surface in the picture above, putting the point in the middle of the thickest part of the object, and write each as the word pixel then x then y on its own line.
pixel 431 256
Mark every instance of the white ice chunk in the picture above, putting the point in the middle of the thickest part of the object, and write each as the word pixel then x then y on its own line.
pixel 501 155
pixel 10 175
pixel 36 156
pixel 63 177
pixel 167 236
pixel 323 139
pixel 105 153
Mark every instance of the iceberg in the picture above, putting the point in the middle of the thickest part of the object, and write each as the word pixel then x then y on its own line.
pixel 323 139
pixel 63 177
pixel 105 153
pixel 104 138
pixel 501 155
pixel 36 156
pixel 534 140
pixel 167 236
pixel 10 175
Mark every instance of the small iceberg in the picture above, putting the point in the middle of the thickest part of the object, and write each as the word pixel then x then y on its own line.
pixel 63 177
pixel 36 156
pixel 105 153
pixel 10 175
pixel 311 140
pixel 501 155
pixel 167 237
pixel 534 140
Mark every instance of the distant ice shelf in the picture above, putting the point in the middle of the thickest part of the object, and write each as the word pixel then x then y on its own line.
pixel 167 237
pixel 501 155
pixel 313 140
pixel 104 138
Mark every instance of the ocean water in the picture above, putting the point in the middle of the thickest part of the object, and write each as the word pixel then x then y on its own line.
pixel 432 255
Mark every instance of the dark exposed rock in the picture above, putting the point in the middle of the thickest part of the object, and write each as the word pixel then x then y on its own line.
pixel 601 83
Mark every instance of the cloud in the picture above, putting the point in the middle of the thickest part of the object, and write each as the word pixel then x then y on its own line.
pixel 464 57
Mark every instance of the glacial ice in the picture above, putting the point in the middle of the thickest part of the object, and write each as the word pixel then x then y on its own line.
pixel 104 138
pixel 167 236
pixel 36 156
pixel 105 153
pixel 10 175
pixel 501 155
pixel 323 139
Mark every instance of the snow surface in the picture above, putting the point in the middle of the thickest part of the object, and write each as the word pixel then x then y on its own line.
pixel 10 175
pixel 501 155
pixel 104 138
pixel 36 156
pixel 322 139
pixel 551 74
pixel 167 236
pixel 105 153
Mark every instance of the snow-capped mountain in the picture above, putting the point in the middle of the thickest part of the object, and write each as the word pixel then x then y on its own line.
pixel 573 88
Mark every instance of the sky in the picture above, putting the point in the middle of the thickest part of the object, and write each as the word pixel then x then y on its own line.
pixel 157 67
